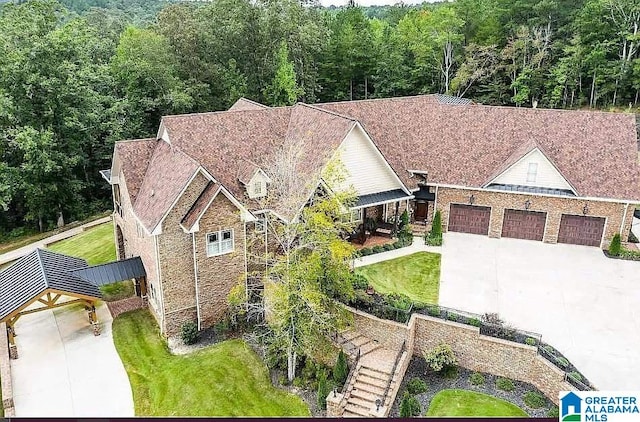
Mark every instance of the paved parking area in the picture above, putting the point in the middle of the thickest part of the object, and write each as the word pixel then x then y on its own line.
pixel 64 370
pixel 584 304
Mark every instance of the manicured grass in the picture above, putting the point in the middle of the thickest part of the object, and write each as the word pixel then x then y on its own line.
pixel 470 403
pixel 117 291
pixel 227 379
pixel 96 245
pixel 416 275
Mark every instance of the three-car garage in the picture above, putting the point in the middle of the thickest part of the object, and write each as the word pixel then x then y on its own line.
pixel 526 224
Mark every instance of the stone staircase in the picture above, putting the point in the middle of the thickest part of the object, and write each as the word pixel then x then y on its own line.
pixel 372 377
pixel 420 229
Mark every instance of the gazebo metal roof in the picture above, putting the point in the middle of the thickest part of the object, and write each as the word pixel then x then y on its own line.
pixel 112 272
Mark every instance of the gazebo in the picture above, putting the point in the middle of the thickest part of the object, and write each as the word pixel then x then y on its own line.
pixel 43 280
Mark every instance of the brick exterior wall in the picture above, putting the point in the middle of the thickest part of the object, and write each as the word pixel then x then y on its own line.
pixel 473 350
pixel 5 373
pixel 218 274
pixel 138 243
pixel 553 206
pixel 175 249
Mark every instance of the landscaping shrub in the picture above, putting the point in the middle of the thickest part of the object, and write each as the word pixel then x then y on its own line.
pixel 534 400
pixel 365 251
pixel 450 372
pixel 436 225
pixel 388 247
pixel 475 322
pixel 323 390
pixel 359 281
pixel 554 412
pixel 615 246
pixel 576 376
pixel 433 311
pixel 416 386
pixel 398 300
pixel 441 357
pixel 563 362
pixel 549 349
pixel 341 370
pixel 404 220
pixel 452 317
pixel 409 406
pixel 189 332
pixel 377 249
pixel 477 378
pixel 434 240
pixel 505 384
pixel 308 373
pixel 530 341
pixel 298 382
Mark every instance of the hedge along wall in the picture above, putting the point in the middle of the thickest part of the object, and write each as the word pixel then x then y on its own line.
pixel 474 351
pixel 5 373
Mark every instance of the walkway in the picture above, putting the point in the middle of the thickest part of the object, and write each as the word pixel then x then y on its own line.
pixel 25 250
pixel 417 246
pixel 64 370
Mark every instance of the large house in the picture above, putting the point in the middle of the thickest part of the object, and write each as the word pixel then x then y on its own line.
pixel 186 200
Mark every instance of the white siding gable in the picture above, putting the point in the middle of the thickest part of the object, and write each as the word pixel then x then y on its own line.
pixel 367 171
pixel 534 169
pixel 257 186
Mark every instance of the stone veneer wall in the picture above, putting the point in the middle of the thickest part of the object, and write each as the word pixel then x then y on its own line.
pixel 137 243
pixel 218 274
pixel 474 351
pixel 553 206
pixel 5 373
pixel 175 248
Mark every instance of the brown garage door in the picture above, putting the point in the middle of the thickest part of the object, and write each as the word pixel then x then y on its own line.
pixel 579 230
pixel 469 219
pixel 521 224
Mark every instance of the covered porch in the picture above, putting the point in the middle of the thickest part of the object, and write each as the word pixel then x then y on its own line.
pixel 378 217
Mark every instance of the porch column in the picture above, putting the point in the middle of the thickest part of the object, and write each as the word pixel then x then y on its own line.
pixel 93 319
pixel 395 219
pixel 363 231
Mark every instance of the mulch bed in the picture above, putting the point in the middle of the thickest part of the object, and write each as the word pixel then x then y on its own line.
pixel 634 257
pixel 436 383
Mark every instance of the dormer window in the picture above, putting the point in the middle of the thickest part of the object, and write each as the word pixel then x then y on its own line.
pixel 532 172
pixel 257 188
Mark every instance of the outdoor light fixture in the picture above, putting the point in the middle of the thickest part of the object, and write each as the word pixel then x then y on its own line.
pixel 585 209
pixel 378 404
pixel 472 199
pixel 527 204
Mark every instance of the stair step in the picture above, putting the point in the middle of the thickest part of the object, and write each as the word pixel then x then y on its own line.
pixel 366 404
pixel 369 388
pixel 348 335
pixel 360 341
pixel 374 373
pixel 357 410
pixel 369 347
pixel 347 414
pixel 372 381
pixel 365 395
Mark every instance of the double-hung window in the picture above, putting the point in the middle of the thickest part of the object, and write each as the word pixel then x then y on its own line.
pixel 261 224
pixel 220 242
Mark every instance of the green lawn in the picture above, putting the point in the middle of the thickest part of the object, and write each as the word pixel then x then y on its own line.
pixel 96 245
pixel 469 403
pixel 227 379
pixel 416 275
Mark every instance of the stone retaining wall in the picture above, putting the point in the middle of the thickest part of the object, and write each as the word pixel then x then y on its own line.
pixel 5 374
pixel 474 351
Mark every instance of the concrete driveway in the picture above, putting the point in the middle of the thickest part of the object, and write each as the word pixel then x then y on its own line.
pixel 584 304
pixel 64 370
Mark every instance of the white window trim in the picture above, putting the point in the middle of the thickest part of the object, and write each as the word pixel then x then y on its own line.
pixel 532 172
pixel 356 220
pixel 219 241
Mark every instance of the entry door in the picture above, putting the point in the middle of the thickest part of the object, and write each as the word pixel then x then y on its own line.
pixel 422 209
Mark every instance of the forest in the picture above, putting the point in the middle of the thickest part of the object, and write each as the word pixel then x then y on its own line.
pixel 78 75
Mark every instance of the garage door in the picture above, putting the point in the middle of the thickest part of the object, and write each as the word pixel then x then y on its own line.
pixel 469 219
pixel 579 230
pixel 522 224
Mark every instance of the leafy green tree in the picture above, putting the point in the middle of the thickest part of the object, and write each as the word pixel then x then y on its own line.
pixel 283 90
pixel 323 390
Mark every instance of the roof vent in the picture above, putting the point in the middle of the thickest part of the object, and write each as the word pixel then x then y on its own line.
pixel 153 192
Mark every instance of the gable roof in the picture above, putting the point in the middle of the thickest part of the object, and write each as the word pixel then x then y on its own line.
pixel 453 142
pixel 134 157
pixel 30 276
pixel 168 173
pixel 465 144
pixel 199 207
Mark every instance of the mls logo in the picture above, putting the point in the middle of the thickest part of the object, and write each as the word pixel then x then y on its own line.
pixel 570 408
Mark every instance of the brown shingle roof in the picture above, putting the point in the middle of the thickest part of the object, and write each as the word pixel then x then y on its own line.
pixel 200 206
pixel 134 156
pixel 168 173
pixel 465 144
pixel 244 104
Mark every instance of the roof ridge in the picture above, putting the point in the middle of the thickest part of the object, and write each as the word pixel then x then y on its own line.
pixel 207 113
pixel 363 100
pixel 124 141
pixel 253 102
pixel 41 266
pixel 314 107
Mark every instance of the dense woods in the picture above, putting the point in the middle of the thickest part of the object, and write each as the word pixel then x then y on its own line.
pixel 75 76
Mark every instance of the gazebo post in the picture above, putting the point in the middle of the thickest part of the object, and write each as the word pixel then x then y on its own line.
pixel 93 318
pixel 13 349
